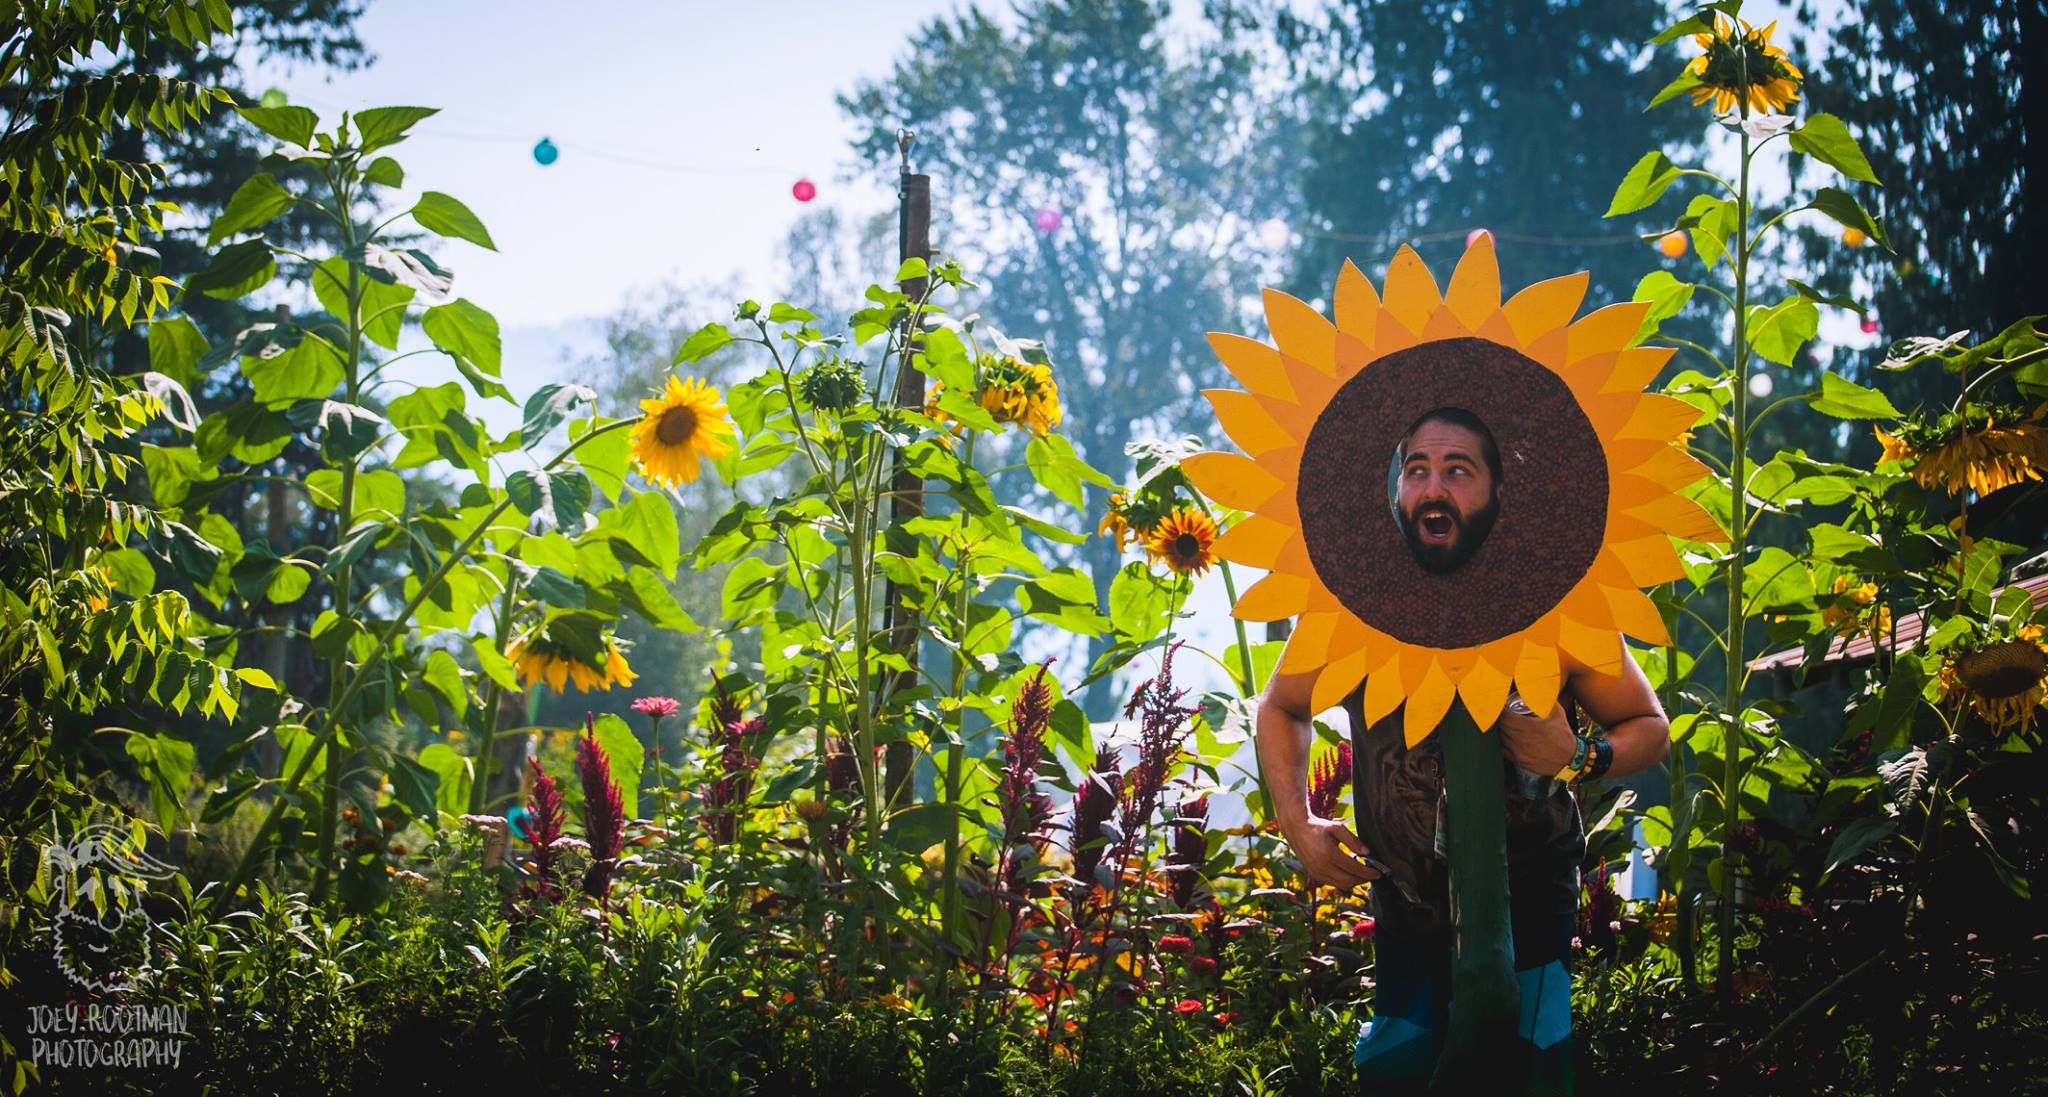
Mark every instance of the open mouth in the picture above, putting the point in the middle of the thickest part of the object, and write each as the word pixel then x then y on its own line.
pixel 1436 527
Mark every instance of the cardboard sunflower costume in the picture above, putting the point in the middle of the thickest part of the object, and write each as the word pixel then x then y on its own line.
pixel 1593 467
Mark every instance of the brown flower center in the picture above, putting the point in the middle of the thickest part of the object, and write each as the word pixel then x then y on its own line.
pixel 676 426
pixel 2005 669
pixel 1187 545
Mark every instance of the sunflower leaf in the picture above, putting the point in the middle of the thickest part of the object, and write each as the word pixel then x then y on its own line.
pixel 1776 332
pixel 702 343
pixel 557 498
pixel 1686 82
pixel 549 405
pixel 1845 399
pixel 1849 213
pixel 1643 185
pixel 1826 138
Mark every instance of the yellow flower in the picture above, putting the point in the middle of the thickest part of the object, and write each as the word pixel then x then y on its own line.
pixel 1663 918
pixel 1848 613
pixel 1743 70
pixel 1116 523
pixel 685 423
pixel 2002 682
pixel 1185 541
pixel 1016 391
pixel 540 659
pixel 1979 460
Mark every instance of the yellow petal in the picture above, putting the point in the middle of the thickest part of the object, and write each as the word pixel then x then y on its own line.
pixel 1681 518
pixel 1245 419
pixel 1636 367
pixel 1274 598
pixel 1337 681
pixel 1636 614
pixel 1427 705
pixel 1537 677
pixel 1309 647
pixel 1474 293
pixel 1357 306
pixel 1383 691
pixel 1485 692
pixel 1605 329
pixel 1649 560
pixel 1233 480
pixel 1546 306
pixel 1660 417
pixel 1300 331
pixel 1411 291
pixel 1254 542
pixel 1599 649
pixel 1253 363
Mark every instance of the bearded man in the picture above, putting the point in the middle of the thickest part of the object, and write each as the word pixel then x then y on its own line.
pixel 1447 494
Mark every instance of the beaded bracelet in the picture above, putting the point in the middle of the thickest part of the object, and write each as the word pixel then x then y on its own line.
pixel 1598 759
pixel 1570 773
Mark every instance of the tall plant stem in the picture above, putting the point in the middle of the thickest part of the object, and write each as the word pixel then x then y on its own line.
pixel 329 724
pixel 344 578
pixel 1681 773
pixel 956 760
pixel 1738 537
pixel 487 745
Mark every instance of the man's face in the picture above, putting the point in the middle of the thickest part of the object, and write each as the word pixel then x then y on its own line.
pixel 1448 500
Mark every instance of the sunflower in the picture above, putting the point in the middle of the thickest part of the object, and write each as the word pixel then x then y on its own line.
pixel 1184 541
pixel 1850 613
pixel 1116 524
pixel 1735 69
pixel 2002 682
pixel 1015 391
pixel 1588 516
pixel 542 659
pixel 1959 456
pixel 685 423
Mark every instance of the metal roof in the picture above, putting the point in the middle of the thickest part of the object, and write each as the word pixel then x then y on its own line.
pixel 1863 647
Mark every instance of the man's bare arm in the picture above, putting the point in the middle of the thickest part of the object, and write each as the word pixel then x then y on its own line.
pixel 1622 703
pixel 1282 734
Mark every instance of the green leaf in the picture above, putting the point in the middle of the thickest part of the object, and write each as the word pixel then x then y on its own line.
pixel 416 786
pixel 558 498
pixel 1698 23
pixel 703 343
pixel 383 303
pixel 467 332
pixel 548 406
pixel 287 584
pixel 1819 297
pixel 133 574
pixel 494 665
pixel 345 429
pixel 175 348
pixel 378 491
pixel 382 126
pixel 648 523
pixel 1667 296
pixel 945 358
pixel 912 269
pixel 1139 604
pixel 557 589
pixel 384 172
pixel 623 750
pixel 1849 213
pixel 236 270
pixel 1712 222
pixel 453 774
pixel 444 676
pixel 445 216
pixel 605 458
pixel 1685 82
pixel 1826 138
pixel 1778 331
pixel 166 767
pixel 1643 185
pixel 254 203
pixel 1845 399
pixel 293 124
pixel 172 471
pixel 1857 838
pixel 783 313
pixel 314 368
pixel 652 599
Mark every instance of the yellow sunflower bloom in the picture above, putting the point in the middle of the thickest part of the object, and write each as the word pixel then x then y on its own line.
pixel 1116 524
pixel 1185 541
pixel 1743 70
pixel 539 659
pixel 2002 682
pixel 1016 391
pixel 684 424
pixel 1979 460
pixel 1850 613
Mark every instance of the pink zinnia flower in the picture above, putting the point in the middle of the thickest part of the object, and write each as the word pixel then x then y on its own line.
pixel 1189 1005
pixel 1177 945
pixel 1203 966
pixel 657 707
pixel 1363 930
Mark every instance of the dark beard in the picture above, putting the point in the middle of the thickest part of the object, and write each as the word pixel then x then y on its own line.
pixel 1444 559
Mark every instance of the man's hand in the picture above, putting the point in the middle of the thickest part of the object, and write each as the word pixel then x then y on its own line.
pixel 1325 847
pixel 1541 745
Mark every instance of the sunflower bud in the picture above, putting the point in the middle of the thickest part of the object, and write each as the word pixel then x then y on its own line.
pixel 834 384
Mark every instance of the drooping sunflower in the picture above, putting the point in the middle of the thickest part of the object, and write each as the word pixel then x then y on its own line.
pixel 1184 541
pixel 2002 682
pixel 1590 505
pixel 1116 525
pixel 1743 68
pixel 1015 391
pixel 542 658
pixel 1959 455
pixel 684 424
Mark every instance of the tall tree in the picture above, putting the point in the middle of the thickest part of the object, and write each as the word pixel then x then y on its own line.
pixel 1109 181
pixel 1436 117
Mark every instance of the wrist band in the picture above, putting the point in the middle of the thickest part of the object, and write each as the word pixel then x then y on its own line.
pixel 1597 761
pixel 1572 769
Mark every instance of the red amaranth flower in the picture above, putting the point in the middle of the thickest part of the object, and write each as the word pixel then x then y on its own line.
pixel 1328 778
pixel 1162 725
pixel 544 828
pixel 1189 849
pixel 1176 945
pixel 1094 804
pixel 736 762
pixel 1023 808
pixel 604 813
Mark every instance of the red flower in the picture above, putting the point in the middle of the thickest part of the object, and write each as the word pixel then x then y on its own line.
pixel 1189 1005
pixel 604 821
pixel 657 707
pixel 1224 1020
pixel 1177 945
pixel 1363 931
pixel 1203 966
pixel 1328 779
